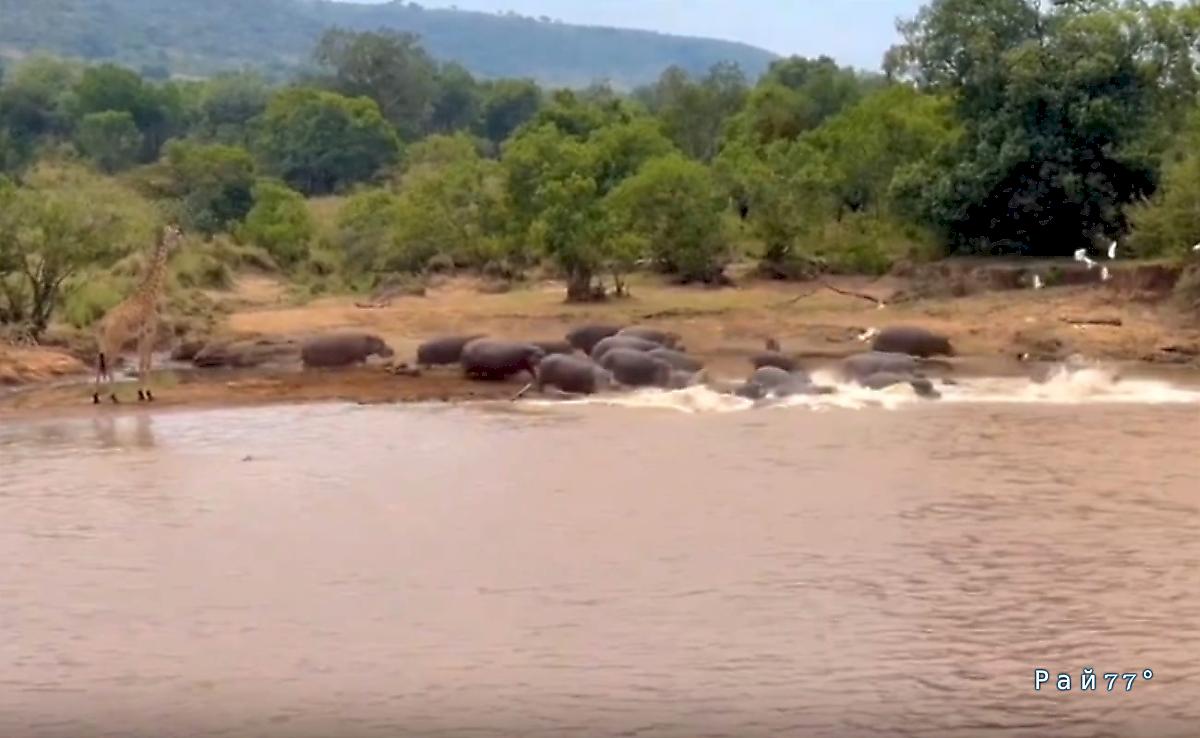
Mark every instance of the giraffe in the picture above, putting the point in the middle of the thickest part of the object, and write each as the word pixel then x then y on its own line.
pixel 136 317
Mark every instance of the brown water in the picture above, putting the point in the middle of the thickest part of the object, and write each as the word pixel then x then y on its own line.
pixel 586 571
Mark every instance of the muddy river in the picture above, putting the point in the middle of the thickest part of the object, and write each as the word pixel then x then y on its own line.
pixel 663 565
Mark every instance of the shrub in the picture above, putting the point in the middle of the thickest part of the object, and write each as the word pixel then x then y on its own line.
pixel 92 298
pixel 280 223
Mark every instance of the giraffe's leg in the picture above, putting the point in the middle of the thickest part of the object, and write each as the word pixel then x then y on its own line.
pixel 145 358
pixel 100 366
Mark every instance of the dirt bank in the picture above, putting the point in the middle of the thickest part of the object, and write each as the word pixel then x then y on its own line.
pixel 1118 321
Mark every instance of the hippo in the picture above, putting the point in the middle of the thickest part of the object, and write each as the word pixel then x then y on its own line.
pixel 573 374
pixel 444 350
pixel 677 359
pixel 498 360
pixel 773 356
pixel 750 391
pixel 187 350
pixel 882 380
pixel 247 353
pixel 342 349
pixel 554 347
pixel 682 379
pixel 780 383
pixel 913 341
pixel 586 337
pixel 637 368
pixel 663 338
pixel 855 368
pixel 623 342
pixel 773 382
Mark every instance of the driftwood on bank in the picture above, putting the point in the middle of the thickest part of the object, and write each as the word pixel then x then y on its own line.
pixel 825 285
pixel 1113 322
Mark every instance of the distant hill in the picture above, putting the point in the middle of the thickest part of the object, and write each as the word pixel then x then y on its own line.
pixel 200 37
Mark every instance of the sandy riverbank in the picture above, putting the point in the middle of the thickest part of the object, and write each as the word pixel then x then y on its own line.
pixel 722 326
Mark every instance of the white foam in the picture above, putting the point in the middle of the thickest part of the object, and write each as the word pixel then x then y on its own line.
pixel 1072 384
pixel 691 400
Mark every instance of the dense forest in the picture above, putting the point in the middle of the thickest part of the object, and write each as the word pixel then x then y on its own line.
pixel 186 37
pixel 995 127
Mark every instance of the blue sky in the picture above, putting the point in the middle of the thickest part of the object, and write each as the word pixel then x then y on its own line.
pixel 852 31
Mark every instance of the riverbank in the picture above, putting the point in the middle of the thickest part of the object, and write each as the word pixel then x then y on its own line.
pixel 1118 322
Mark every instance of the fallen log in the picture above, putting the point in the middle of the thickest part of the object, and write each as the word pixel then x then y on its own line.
pixel 1113 322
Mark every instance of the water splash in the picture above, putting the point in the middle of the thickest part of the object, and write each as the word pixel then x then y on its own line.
pixel 1069 384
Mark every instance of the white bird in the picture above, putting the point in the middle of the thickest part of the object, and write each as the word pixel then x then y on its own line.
pixel 1037 282
pixel 1196 247
pixel 868 334
pixel 1081 256
pixel 1104 275
pixel 1112 250
pixel 881 306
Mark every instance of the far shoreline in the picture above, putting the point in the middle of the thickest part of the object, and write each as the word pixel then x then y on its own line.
pixel 1123 327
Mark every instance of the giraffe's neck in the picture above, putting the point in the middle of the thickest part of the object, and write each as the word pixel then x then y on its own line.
pixel 156 274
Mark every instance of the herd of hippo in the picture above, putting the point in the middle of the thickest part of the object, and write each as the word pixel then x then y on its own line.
pixel 598 358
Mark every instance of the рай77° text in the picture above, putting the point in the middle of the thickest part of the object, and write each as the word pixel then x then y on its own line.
pixel 1087 680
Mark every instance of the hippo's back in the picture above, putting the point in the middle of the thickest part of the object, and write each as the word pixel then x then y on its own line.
pixel 444 350
pixel 585 337
pixel 334 351
pixel 914 341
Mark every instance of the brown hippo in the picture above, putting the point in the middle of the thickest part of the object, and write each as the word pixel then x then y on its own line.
pixel 342 349
pixel 682 379
pixel 913 341
pixel 187 350
pixel 773 382
pixel 247 353
pixel 637 368
pixel 677 359
pixel 622 342
pixel 444 350
pixel 498 360
pixel 573 374
pixel 882 380
pixel 858 367
pixel 554 347
pixel 663 338
pixel 586 337
pixel 773 356
pixel 781 383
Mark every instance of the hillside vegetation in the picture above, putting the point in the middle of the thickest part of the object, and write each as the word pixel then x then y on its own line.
pixel 200 38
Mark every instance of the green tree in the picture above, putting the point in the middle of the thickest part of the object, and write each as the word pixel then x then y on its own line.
pixel 46 239
pixel 111 139
pixel 795 96
pixel 449 203
pixel 675 206
pixel 366 233
pixel 694 113
pixel 458 101
pixel 1059 107
pixel 1168 224
pixel 389 67
pixel 228 104
pixel 320 141
pixel 213 183
pixel 108 87
pixel 508 104
pixel 279 222
pixel 556 179
pixel 866 145
pixel 786 190
pixel 35 97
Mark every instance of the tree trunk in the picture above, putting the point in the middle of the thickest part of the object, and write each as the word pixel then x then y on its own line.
pixel 579 286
